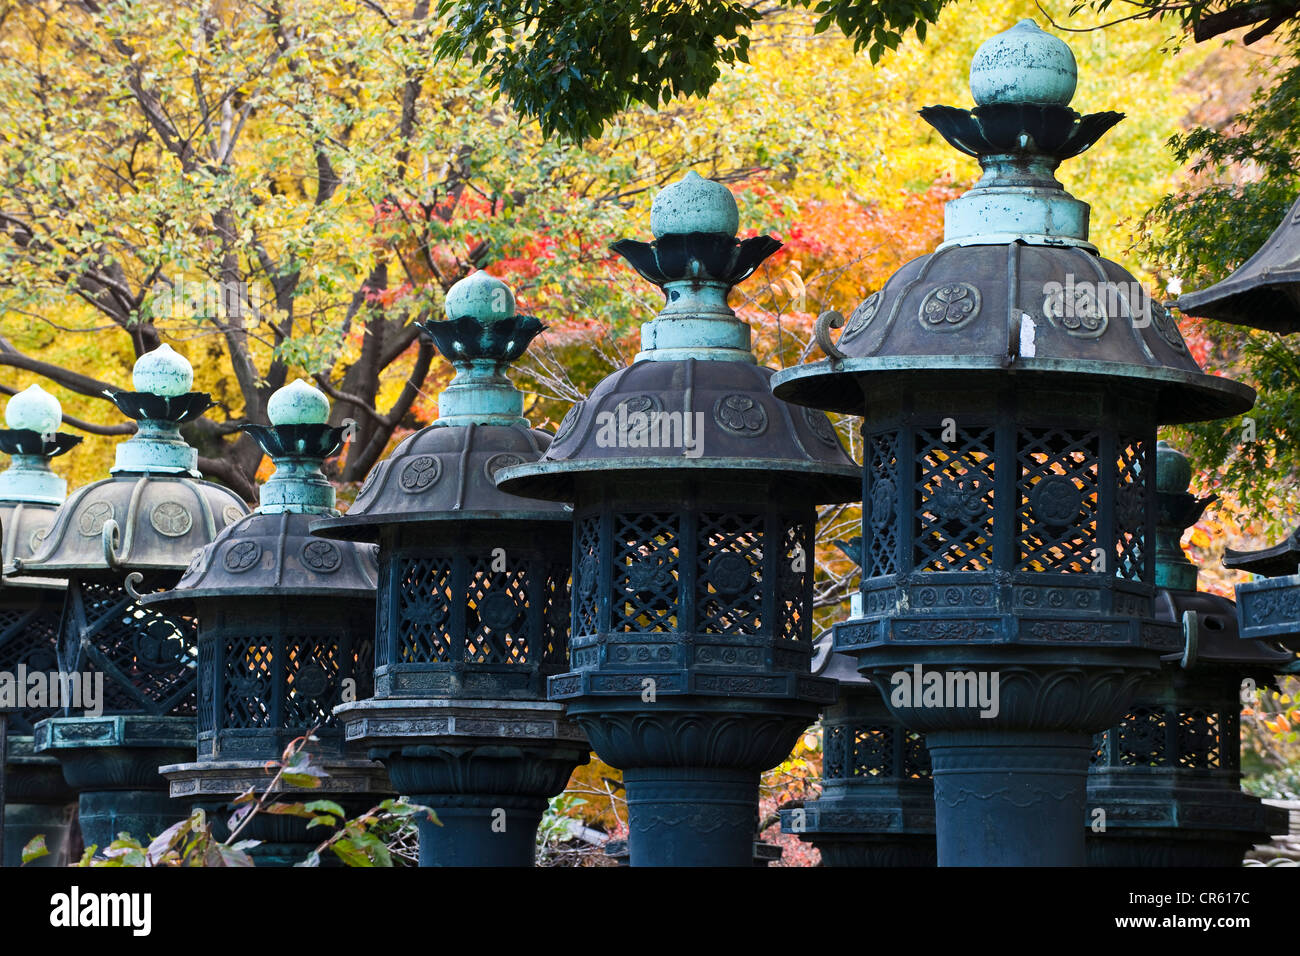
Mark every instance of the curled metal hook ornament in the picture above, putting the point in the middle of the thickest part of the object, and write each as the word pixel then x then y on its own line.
pixel 110 537
pixel 828 320
pixel 129 583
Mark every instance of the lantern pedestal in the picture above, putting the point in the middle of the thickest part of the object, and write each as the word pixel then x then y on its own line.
pixel 487 768
pixel 1011 799
pixel 355 785
pixel 691 767
pixel 37 803
pixel 112 762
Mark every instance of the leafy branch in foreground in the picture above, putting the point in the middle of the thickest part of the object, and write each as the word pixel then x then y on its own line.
pixel 359 841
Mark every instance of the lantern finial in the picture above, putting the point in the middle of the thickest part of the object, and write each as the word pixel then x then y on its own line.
pixel 1176 511
pixel 299 439
pixel 482 336
pixel 695 259
pixel 1021 129
pixel 32 438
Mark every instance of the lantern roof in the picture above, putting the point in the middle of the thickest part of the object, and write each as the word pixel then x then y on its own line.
pixel 1264 292
pixel 694 400
pixel 272 552
pixel 154 512
pixel 446 471
pixel 1017 287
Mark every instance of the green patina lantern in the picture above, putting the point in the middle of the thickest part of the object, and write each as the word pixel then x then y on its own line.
pixel 35 796
pixel 114 541
pixel 285 633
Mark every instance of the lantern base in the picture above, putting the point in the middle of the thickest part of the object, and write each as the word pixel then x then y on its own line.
pixel 1164 824
pixel 893 827
pixel 356 785
pixel 112 762
pixel 487 769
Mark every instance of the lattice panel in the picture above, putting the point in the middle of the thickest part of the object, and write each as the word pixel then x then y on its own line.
pixel 247 682
pixel 1200 740
pixel 1057 513
pixel 791 601
pixel 1099 748
pixel 156 655
pixel 424 603
pixel 882 460
pixel 1130 511
pixel 916 755
pixel 645 572
pixel 496 626
pixel 311 681
pixel 29 638
pixel 953 517
pixel 835 752
pixel 1143 740
pixel 729 597
pixel 586 577
pixel 873 751
pixel 555 617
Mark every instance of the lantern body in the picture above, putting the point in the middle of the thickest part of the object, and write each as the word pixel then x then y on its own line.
pixel 473 599
pixel 694 496
pixel 115 541
pixel 877 802
pixel 1010 385
pixel 36 797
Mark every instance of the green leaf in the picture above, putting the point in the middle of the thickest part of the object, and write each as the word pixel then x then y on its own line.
pixel 35 849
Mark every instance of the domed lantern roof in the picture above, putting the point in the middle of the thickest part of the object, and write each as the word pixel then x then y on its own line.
pixel 695 399
pixel 30 493
pixel 447 470
pixel 1016 287
pixel 271 551
pixel 155 511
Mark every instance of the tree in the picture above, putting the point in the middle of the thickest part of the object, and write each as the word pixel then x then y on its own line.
pixel 575 64
pixel 287 187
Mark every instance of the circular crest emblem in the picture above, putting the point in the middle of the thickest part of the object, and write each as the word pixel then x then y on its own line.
pixel 882 503
pixel 861 317
pixel 948 308
pixel 568 423
pixel 1056 501
pixel 242 556
pixel 91 522
pixel 311 680
pixel 821 426
pixel 498 610
pixel 171 518
pixel 321 556
pixel 420 473
pixel 730 573
pixel 497 462
pixel 740 415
